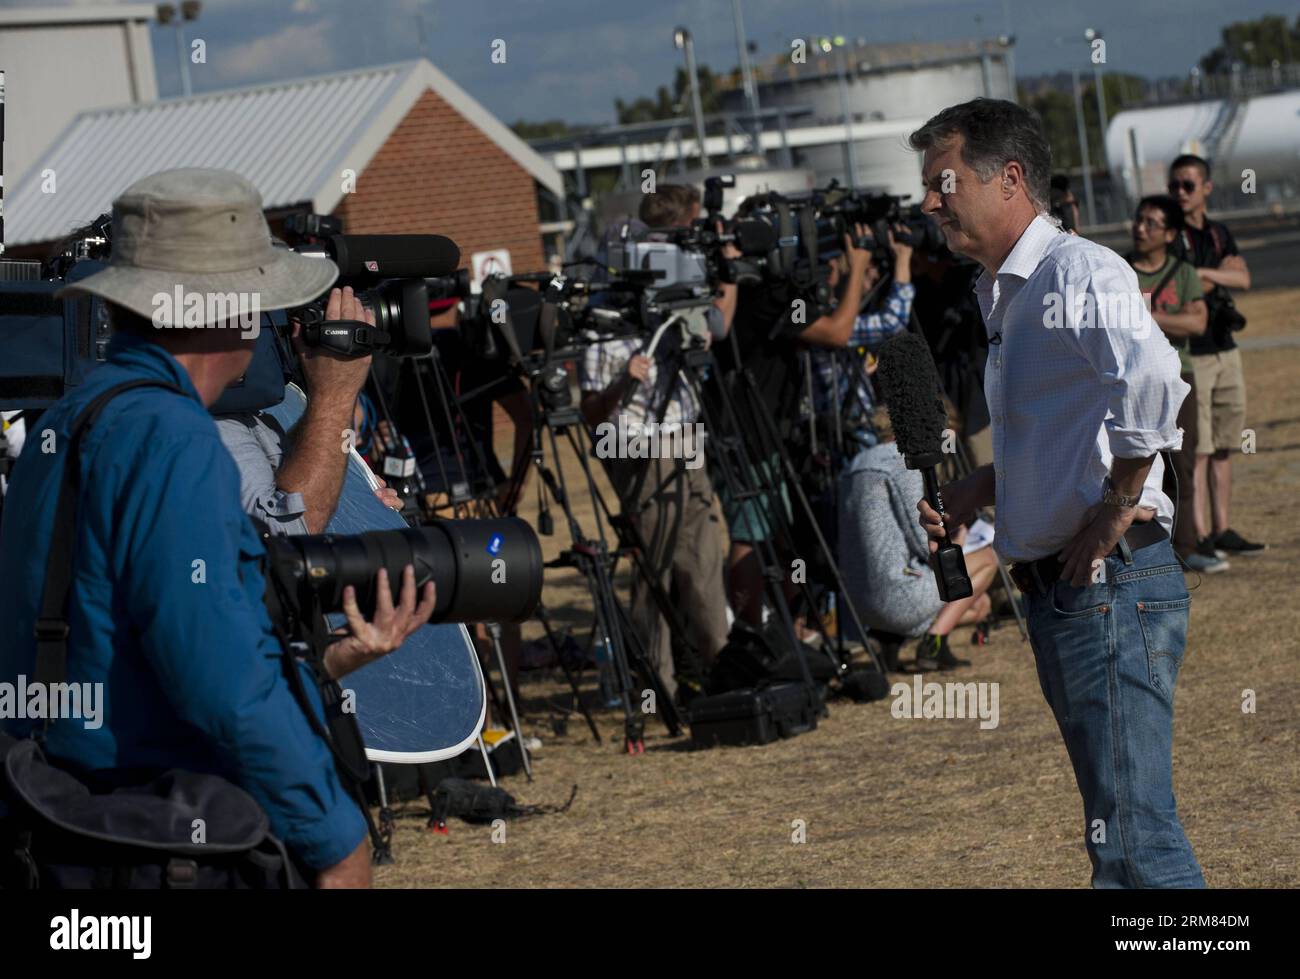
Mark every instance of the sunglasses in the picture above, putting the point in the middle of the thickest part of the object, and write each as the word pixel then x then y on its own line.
pixel 1186 185
pixel 1150 224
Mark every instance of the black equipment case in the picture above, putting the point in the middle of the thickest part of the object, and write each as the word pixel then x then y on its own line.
pixel 750 716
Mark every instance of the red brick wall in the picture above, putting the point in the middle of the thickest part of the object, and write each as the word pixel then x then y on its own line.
pixel 439 174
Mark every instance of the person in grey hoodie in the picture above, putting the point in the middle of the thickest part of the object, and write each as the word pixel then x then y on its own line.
pixel 884 555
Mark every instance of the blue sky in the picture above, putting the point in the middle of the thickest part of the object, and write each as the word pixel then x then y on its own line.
pixel 570 59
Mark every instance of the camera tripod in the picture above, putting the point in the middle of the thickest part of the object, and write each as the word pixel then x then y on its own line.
pixel 596 561
pixel 470 497
pixel 750 433
pixel 736 444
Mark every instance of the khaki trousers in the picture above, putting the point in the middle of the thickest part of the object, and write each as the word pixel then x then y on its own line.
pixel 684 546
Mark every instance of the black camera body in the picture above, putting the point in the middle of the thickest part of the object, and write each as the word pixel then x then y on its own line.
pixel 390 274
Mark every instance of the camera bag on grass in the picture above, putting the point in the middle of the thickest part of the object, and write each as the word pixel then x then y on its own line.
pixel 757 657
pixel 174 829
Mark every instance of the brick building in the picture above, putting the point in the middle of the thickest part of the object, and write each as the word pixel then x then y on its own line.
pixel 390 150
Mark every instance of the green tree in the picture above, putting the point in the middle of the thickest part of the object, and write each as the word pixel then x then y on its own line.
pixel 549 129
pixel 1256 44
pixel 1055 107
pixel 668 104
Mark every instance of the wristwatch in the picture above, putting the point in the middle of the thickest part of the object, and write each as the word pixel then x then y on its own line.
pixel 1111 498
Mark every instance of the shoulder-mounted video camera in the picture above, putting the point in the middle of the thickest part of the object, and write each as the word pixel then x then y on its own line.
pixel 390 275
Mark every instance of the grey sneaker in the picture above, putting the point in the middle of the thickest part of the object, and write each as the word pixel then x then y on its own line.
pixel 1206 563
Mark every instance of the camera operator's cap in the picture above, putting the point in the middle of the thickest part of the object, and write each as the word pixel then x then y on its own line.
pixel 203 231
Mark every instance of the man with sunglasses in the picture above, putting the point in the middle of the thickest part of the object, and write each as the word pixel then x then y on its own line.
pixel 1216 360
pixel 1174 294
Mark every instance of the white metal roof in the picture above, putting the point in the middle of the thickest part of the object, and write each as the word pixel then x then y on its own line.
pixel 291 139
pixel 655 152
pixel 47 16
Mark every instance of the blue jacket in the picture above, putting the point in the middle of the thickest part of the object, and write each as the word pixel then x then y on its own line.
pixel 166 607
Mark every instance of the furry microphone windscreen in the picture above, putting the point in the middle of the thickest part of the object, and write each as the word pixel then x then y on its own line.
pixel 910 386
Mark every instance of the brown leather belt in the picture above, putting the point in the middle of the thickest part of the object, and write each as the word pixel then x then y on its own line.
pixel 1040 575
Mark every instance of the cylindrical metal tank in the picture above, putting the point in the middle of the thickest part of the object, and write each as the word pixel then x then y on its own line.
pixel 1260 134
pixel 906 83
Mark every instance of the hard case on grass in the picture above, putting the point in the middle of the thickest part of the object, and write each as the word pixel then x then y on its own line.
pixel 750 716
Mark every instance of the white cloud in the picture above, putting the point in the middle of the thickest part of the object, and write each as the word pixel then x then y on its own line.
pixel 293 50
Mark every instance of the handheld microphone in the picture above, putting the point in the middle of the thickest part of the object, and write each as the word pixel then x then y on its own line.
pixel 910 385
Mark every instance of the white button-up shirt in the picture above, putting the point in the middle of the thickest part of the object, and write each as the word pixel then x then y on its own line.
pixel 1078 373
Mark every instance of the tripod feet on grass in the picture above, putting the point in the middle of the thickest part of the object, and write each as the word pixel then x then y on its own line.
pixel 381 851
pixel 634 736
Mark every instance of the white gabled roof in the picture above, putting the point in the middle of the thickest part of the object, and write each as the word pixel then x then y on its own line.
pixel 291 139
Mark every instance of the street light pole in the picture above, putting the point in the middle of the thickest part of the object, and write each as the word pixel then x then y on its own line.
pixel 1083 148
pixel 747 77
pixel 683 41
pixel 1102 120
pixel 850 154
pixel 169 14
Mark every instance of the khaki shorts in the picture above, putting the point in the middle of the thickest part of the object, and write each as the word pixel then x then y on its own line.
pixel 1220 401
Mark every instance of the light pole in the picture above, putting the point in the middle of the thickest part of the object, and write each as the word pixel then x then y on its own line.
pixel 683 42
pixel 747 78
pixel 850 154
pixel 1091 35
pixel 1083 148
pixel 169 14
pixel 1102 119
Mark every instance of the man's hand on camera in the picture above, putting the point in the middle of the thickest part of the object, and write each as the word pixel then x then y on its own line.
pixel 368 641
pixel 388 496
pixel 638 368
pixel 329 376
pixel 859 258
pixel 901 245
pixel 729 250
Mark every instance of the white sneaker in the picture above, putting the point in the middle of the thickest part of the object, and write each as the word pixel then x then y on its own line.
pixel 1205 564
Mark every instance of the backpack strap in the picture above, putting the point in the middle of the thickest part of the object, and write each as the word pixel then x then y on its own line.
pixel 52 621
pixel 1214 238
pixel 1164 281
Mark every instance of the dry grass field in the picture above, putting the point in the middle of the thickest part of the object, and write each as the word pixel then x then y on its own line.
pixel 909 803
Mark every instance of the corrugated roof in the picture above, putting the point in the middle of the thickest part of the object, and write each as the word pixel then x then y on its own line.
pixel 291 139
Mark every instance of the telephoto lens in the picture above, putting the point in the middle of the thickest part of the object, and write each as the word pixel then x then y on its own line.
pixel 483 570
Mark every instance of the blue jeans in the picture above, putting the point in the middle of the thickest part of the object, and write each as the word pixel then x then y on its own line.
pixel 1108 656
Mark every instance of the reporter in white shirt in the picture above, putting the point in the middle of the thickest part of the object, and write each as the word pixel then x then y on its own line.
pixel 1083 393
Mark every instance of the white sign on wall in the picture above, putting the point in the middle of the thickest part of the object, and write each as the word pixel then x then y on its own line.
pixel 483 264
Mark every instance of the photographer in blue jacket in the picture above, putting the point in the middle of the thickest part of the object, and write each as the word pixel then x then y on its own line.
pixel 166 612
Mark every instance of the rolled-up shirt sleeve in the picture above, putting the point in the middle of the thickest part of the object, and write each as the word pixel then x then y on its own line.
pixel 257 449
pixel 1103 317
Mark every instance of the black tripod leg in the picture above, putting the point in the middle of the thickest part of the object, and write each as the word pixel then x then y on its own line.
pixel 640 660
pixel 748 480
pixel 768 432
pixel 545 620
